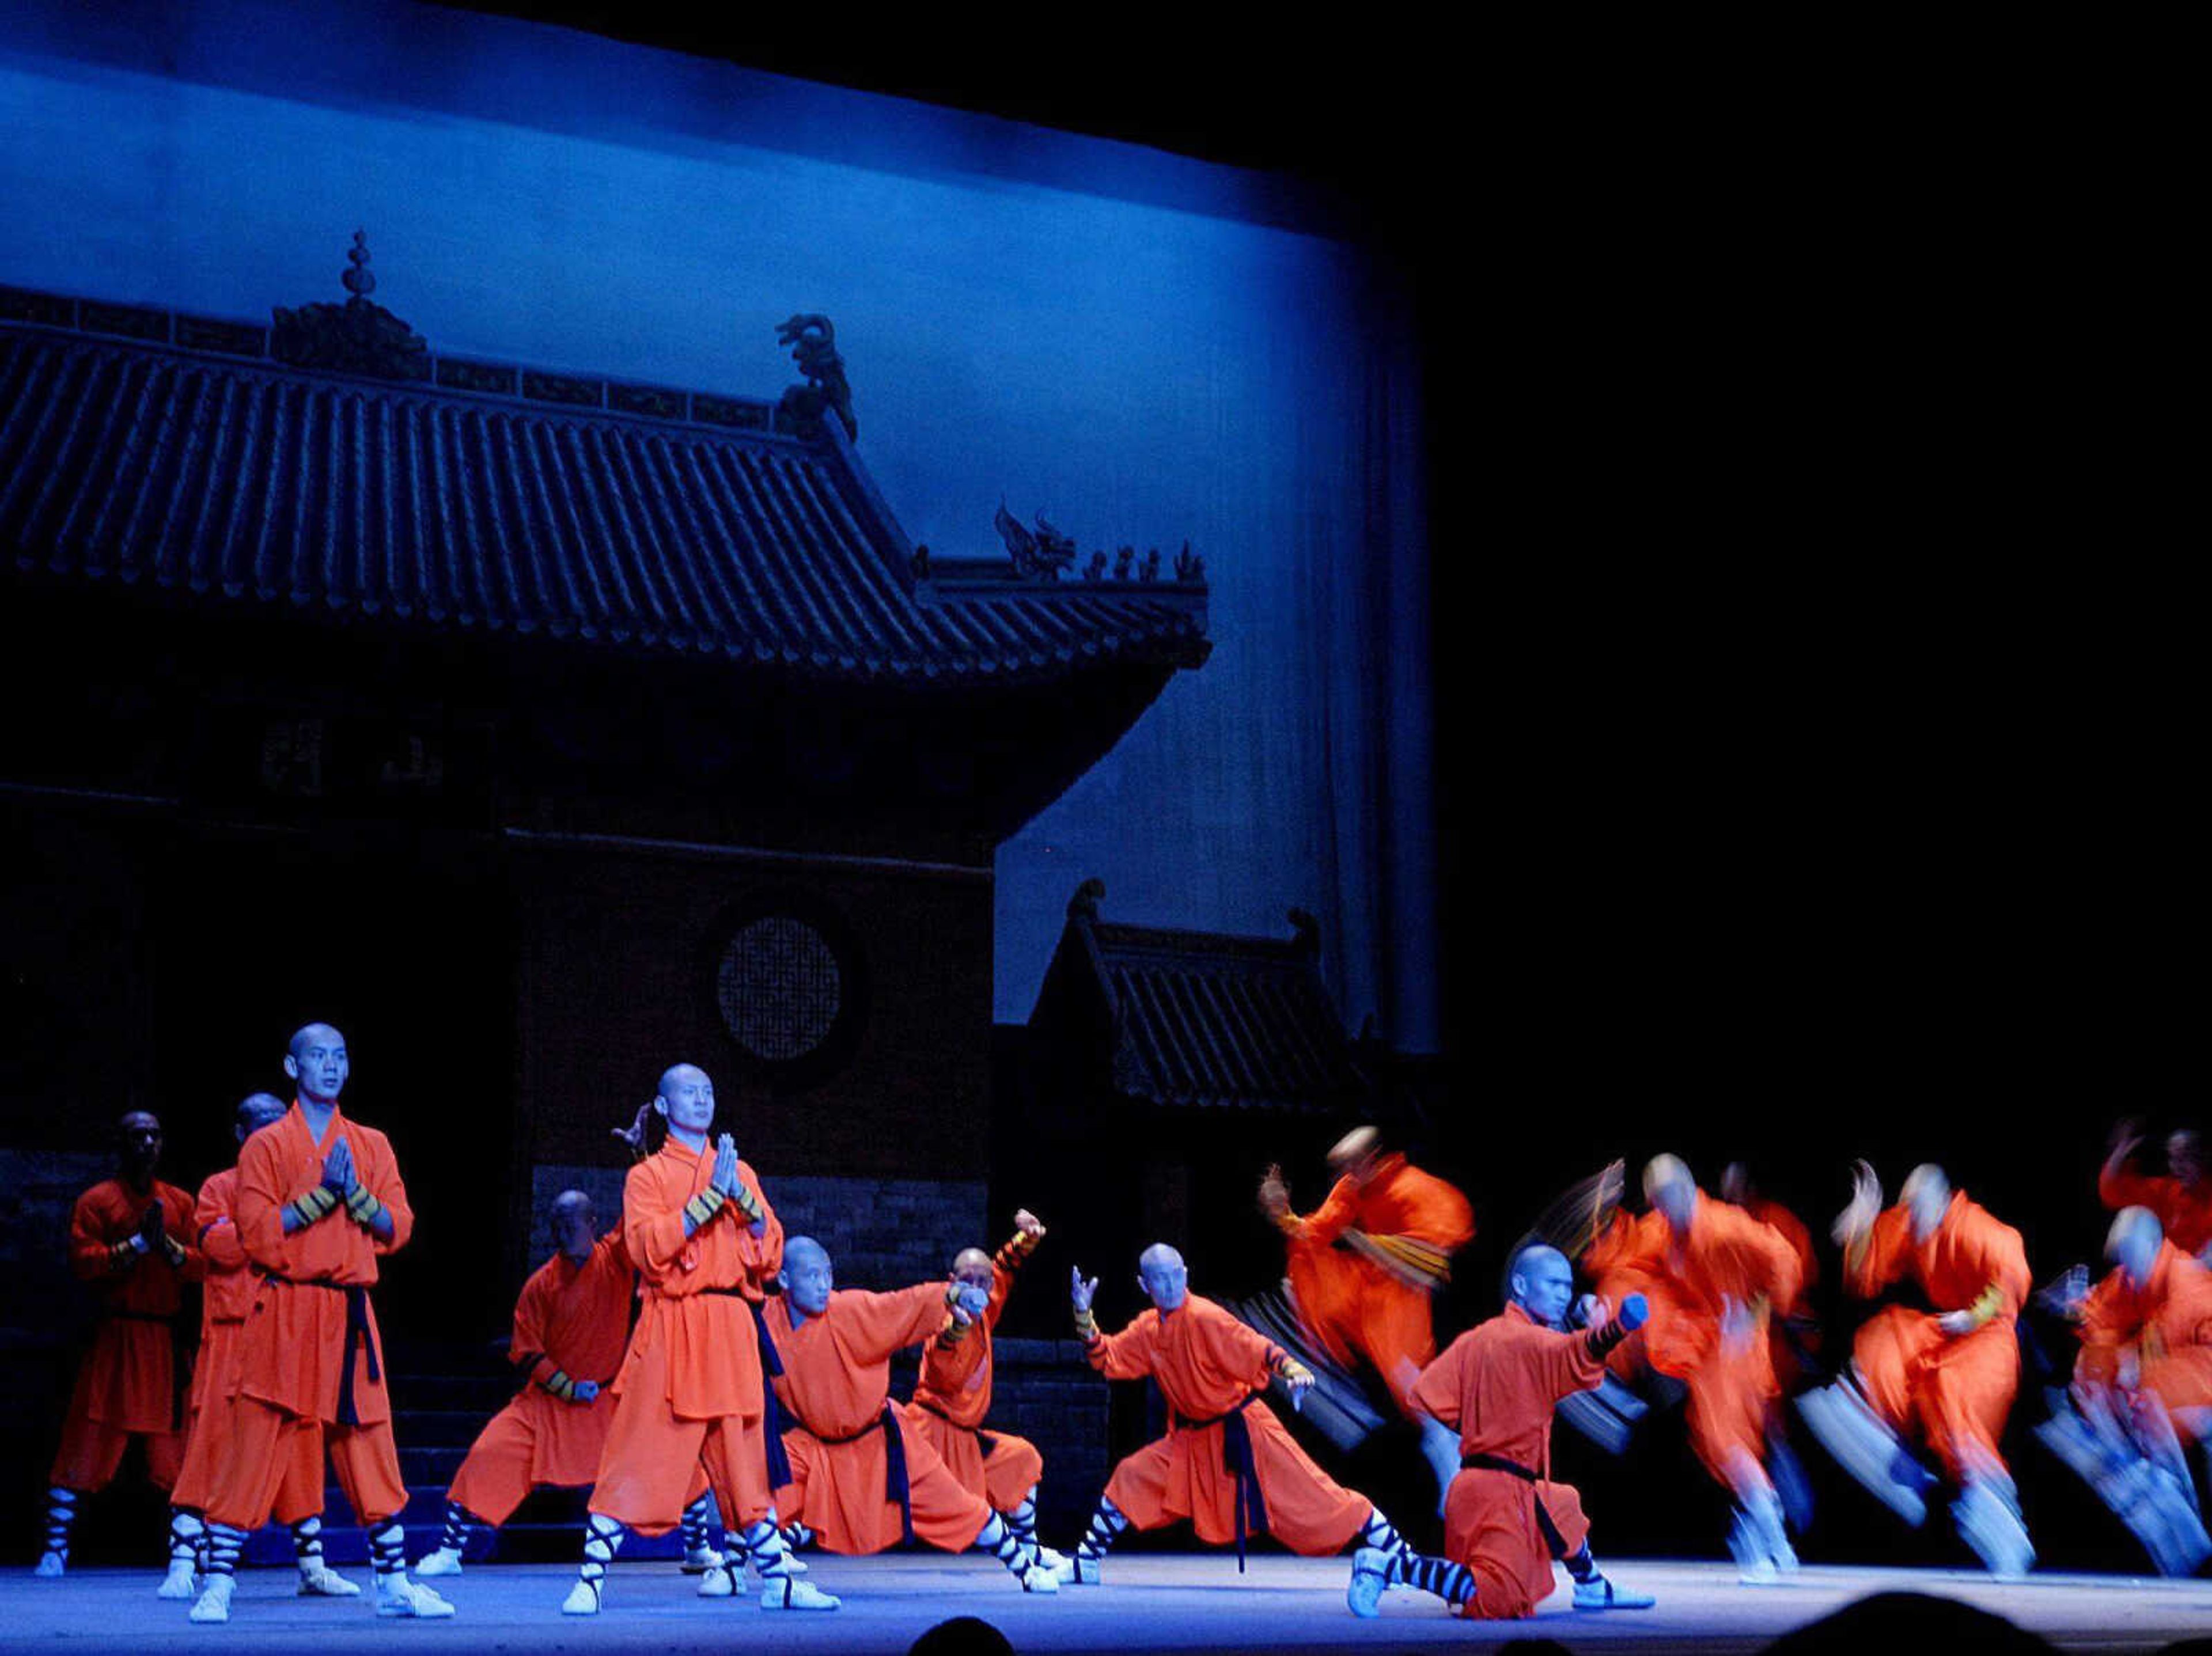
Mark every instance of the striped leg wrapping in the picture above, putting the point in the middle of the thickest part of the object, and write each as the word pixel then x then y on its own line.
pixel 998 1538
pixel 602 1536
pixel 387 1548
pixel 459 1522
pixel 307 1542
pixel 1022 1520
pixel 1106 1527
pixel 1381 1534
pixel 61 1513
pixel 696 1525
pixel 764 1542
pixel 185 1534
pixel 1453 1583
pixel 224 1543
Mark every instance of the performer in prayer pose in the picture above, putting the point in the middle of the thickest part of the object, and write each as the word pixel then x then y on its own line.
pixel 226 1298
pixel 1505 1519
pixel 1950 1375
pixel 2181 1197
pixel 2142 1390
pixel 858 1481
pixel 130 1237
pixel 954 1394
pixel 1226 1464
pixel 318 1201
pixel 706 1243
pixel 571 1324
pixel 1709 1272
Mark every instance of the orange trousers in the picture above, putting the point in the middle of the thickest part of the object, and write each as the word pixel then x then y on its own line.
pixel 265 1443
pixel 1003 1477
pixel 1492 1525
pixel 1181 1476
pixel 1353 1308
pixel 92 1450
pixel 1731 1393
pixel 1957 1392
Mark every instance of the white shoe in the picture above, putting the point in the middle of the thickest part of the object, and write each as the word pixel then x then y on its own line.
pixel 1039 1578
pixel 789 1592
pixel 1598 1593
pixel 178 1583
pixel 323 1582
pixel 1080 1570
pixel 1753 1567
pixel 50 1564
pixel 398 1596
pixel 214 1602
pixel 1056 1563
pixel 1993 1530
pixel 1864 1446
pixel 699 1559
pixel 719 1582
pixel 444 1560
pixel 1370 1574
pixel 583 1599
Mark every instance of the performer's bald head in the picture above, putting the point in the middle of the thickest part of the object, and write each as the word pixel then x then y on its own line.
pixel 971 1268
pixel 1542 1282
pixel 257 1111
pixel 316 1057
pixel 2133 1243
pixel 138 1142
pixel 686 1097
pixel 575 1222
pixel 1355 1153
pixel 1163 1276
pixel 807 1276
pixel 2184 1155
pixel 1926 1193
pixel 1668 1187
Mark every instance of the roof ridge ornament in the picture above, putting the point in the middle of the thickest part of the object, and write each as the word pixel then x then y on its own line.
pixel 1083 905
pixel 358 337
pixel 1039 556
pixel 813 343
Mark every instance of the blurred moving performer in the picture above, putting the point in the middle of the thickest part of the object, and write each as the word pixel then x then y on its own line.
pixel 2180 1198
pixel 130 1237
pixel 952 1394
pixel 318 1201
pixel 1793 1339
pixel 1711 1273
pixel 2142 1389
pixel 1505 1519
pixel 226 1298
pixel 1362 1264
pixel 690 1390
pixel 859 1482
pixel 1949 1376
pixel 571 1324
pixel 1226 1464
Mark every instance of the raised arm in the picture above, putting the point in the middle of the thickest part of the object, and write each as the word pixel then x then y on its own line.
pixel 1125 1356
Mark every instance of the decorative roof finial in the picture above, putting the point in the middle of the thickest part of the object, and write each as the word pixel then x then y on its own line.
pixel 813 344
pixel 1083 905
pixel 360 281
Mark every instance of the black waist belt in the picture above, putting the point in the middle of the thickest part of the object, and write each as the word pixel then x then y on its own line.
pixel 984 1440
pixel 358 1336
pixel 179 1369
pixel 896 1484
pixel 1482 1463
pixel 1236 1461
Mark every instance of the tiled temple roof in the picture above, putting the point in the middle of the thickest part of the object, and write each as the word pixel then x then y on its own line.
pixel 198 460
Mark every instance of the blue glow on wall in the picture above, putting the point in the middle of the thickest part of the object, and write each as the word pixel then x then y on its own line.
pixel 1124 341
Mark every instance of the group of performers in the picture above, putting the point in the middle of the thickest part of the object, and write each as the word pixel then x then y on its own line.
pixel 693 1363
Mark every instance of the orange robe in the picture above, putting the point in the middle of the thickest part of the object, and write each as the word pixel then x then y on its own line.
pixel 1208 1367
pixel 1728 1256
pixel 226 1297
pixel 954 1394
pixel 1792 1230
pixel 835 1390
pixel 2185 1211
pixel 1497 1385
pixel 2169 1322
pixel 689 1389
pixel 311 1359
pixel 131 1382
pixel 1370 1297
pixel 1958 1388
pixel 571 1323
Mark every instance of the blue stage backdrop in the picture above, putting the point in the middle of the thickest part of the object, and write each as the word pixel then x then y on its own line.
pixel 1142 348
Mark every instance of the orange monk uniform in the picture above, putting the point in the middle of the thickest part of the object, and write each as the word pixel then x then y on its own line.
pixel 1792 1230
pixel 226 1297
pixel 840 1426
pixel 954 1394
pixel 1362 1264
pixel 1728 1256
pixel 131 1382
pixel 2168 1321
pixel 1209 1367
pixel 2184 1211
pixel 571 1323
pixel 1497 1385
pixel 1959 1388
pixel 311 1360
pixel 689 1390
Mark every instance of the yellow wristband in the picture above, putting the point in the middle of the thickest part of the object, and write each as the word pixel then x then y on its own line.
pixel 1086 1325
pixel 749 1204
pixel 703 1206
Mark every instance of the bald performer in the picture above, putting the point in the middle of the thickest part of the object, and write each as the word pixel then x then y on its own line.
pixel 1711 1273
pixel 571 1326
pixel 319 1202
pixel 131 1239
pixel 706 1244
pixel 227 1296
pixel 2180 1198
pixel 1362 1264
pixel 1505 1520
pixel 952 1394
pixel 2142 1390
pixel 859 1480
pixel 1227 1463
pixel 1947 1376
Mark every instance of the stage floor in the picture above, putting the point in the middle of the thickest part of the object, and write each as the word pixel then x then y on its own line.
pixel 1156 1601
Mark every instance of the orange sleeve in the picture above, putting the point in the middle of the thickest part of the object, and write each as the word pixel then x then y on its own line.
pixel 258 1202
pixel 1239 1350
pixel 527 1347
pixel 382 1178
pixel 762 1254
pixel 177 1210
pixel 1442 1217
pixel 1882 1261
pixel 1437 1391
pixel 1002 1284
pixel 2004 1260
pixel 217 1231
pixel 878 1325
pixel 1767 1261
pixel 91 1248
pixel 652 1225
pixel 1332 1218
pixel 1125 1356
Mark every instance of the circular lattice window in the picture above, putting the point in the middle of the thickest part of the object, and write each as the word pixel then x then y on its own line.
pixel 780 988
